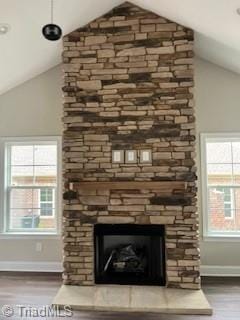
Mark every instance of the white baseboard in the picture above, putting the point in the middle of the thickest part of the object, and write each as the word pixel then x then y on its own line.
pixel 30 266
pixel 220 271
pixel 44 266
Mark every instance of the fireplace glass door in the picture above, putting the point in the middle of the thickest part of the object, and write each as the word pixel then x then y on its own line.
pixel 129 254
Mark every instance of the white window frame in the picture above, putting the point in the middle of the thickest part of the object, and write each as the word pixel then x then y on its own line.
pixel 5 142
pixel 204 138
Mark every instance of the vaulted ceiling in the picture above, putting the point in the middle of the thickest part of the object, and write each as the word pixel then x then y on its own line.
pixel 25 53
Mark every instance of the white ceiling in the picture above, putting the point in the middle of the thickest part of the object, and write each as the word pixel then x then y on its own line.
pixel 25 53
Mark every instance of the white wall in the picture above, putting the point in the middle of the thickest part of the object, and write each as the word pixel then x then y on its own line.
pixel 34 108
pixel 217 96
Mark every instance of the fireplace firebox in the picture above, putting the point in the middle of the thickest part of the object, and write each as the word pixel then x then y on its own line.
pixel 129 254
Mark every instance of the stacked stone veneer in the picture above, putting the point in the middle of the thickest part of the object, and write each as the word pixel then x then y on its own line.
pixel 128 84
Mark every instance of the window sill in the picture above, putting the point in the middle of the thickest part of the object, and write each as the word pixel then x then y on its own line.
pixel 221 238
pixel 33 236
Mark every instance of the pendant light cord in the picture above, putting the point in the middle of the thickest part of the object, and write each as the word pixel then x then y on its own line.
pixel 51 11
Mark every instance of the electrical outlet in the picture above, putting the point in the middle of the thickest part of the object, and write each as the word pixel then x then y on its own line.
pixel 39 246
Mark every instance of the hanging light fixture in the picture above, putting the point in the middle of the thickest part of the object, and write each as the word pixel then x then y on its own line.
pixel 51 31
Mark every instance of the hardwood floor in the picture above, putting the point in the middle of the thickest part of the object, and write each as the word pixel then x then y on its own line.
pixel 39 290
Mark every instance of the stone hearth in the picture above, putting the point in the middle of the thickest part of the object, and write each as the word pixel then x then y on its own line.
pixel 133 299
pixel 128 85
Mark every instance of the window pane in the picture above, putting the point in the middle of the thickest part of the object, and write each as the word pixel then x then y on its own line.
pixel 219 174
pixel 219 152
pixel 236 173
pixel 45 154
pixel 45 175
pixel 46 209
pixel 219 169
pixel 24 198
pixel 224 214
pixel 46 195
pixel 43 195
pixel 236 152
pixel 24 219
pixel 22 155
pixel 47 222
pixel 39 175
pixel 30 219
pixel 22 176
pixel 215 199
pixel 237 199
pixel 228 213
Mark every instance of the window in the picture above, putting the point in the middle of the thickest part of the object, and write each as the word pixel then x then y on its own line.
pixel 31 185
pixel 221 184
pixel 47 202
pixel 227 196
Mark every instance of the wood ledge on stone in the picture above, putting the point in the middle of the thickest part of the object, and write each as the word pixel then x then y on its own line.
pixel 165 186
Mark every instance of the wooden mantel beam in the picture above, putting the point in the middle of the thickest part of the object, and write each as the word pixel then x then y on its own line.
pixel 165 186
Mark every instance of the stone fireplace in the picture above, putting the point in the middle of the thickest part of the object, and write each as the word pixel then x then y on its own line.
pixel 128 86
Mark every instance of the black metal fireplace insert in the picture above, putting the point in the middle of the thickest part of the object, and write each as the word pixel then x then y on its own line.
pixel 129 254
